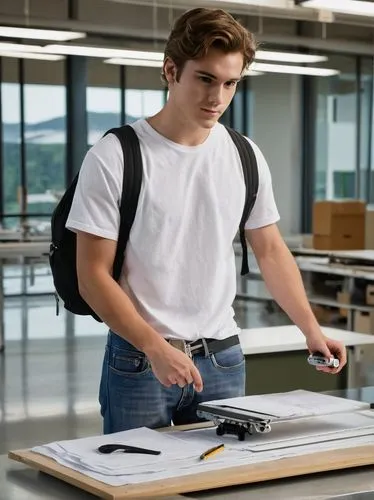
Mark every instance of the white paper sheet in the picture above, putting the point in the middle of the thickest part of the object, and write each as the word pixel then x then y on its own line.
pixel 181 450
pixel 83 452
pixel 226 459
pixel 294 404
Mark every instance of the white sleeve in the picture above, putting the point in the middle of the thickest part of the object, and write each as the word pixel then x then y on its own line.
pixel 265 210
pixel 95 207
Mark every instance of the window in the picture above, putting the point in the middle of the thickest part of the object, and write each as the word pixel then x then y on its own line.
pixel 45 140
pixel 144 94
pixel 142 103
pixel 11 121
pixel 45 137
pixel 366 130
pixel 103 99
pixel 336 132
pixel 275 121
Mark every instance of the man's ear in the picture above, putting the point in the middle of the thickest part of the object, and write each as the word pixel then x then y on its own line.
pixel 170 71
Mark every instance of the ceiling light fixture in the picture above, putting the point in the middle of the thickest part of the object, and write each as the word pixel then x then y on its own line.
pixel 291 57
pixel 30 55
pixel 109 53
pixel 39 34
pixel 128 57
pixel 104 52
pixel 19 47
pixel 150 64
pixel 134 62
pixel 355 7
pixel 254 70
pixel 296 70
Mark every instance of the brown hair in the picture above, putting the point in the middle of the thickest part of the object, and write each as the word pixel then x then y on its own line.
pixel 197 30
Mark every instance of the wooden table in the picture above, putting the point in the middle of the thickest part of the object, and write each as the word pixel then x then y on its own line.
pixel 257 478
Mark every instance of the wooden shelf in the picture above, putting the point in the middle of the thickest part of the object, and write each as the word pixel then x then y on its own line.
pixel 327 301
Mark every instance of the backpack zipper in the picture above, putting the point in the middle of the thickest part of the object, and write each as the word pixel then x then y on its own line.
pixel 52 249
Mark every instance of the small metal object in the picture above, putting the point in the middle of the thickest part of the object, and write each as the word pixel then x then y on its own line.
pixel 110 448
pixel 230 420
pixel 181 345
pixel 318 359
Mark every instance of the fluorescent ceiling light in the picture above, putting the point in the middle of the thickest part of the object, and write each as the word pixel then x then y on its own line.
pixel 30 55
pixel 267 55
pixel 36 34
pixel 134 62
pixel 150 64
pixel 151 59
pixel 355 7
pixel 81 50
pixel 103 52
pixel 296 70
pixel 20 47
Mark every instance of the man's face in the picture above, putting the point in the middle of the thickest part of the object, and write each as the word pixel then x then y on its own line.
pixel 206 87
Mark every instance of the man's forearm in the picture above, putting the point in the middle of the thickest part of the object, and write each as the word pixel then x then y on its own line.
pixel 284 282
pixel 115 308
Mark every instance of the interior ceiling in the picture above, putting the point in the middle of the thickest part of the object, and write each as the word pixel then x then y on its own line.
pixel 147 22
pixel 280 9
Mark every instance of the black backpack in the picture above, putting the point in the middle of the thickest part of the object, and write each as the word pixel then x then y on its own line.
pixel 62 255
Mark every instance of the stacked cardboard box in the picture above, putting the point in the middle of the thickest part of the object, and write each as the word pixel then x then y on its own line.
pixel 339 225
pixel 364 320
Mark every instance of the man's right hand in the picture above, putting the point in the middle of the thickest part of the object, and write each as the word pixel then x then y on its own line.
pixel 172 366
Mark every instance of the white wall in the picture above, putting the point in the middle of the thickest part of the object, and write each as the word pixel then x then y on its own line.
pixel 276 128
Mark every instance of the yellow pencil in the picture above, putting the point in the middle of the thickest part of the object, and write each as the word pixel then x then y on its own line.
pixel 212 451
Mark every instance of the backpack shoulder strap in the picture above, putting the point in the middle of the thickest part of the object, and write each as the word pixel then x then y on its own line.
pixel 250 171
pixel 132 181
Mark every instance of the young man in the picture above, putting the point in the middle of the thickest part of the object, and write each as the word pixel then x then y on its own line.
pixel 178 279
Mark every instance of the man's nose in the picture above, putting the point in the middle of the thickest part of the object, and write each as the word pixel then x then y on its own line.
pixel 216 96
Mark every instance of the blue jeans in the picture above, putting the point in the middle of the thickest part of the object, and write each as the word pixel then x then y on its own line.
pixel 131 396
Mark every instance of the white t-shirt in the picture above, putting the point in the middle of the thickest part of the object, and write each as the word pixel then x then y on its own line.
pixel 179 268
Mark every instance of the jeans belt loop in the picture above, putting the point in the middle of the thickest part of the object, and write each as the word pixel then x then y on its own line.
pixel 187 349
pixel 206 348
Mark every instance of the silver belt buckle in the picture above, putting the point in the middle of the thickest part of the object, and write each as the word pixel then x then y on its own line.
pixel 181 345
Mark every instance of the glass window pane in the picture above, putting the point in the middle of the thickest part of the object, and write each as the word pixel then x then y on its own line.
pixel 144 93
pixel 336 131
pixel 103 99
pixel 366 88
pixel 45 140
pixel 11 117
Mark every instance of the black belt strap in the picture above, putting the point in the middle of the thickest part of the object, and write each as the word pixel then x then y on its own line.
pixel 214 345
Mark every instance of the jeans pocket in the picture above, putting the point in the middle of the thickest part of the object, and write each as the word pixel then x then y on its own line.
pixel 128 362
pixel 228 359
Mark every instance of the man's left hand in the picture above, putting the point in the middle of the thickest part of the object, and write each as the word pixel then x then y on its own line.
pixel 328 347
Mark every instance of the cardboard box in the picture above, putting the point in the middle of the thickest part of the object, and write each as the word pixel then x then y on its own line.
pixel 370 295
pixel 369 227
pixel 343 298
pixel 324 314
pixel 339 225
pixel 364 322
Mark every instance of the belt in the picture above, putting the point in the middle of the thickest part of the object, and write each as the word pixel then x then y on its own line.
pixel 204 346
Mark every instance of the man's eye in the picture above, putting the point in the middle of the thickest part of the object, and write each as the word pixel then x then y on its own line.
pixel 205 79
pixel 231 84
